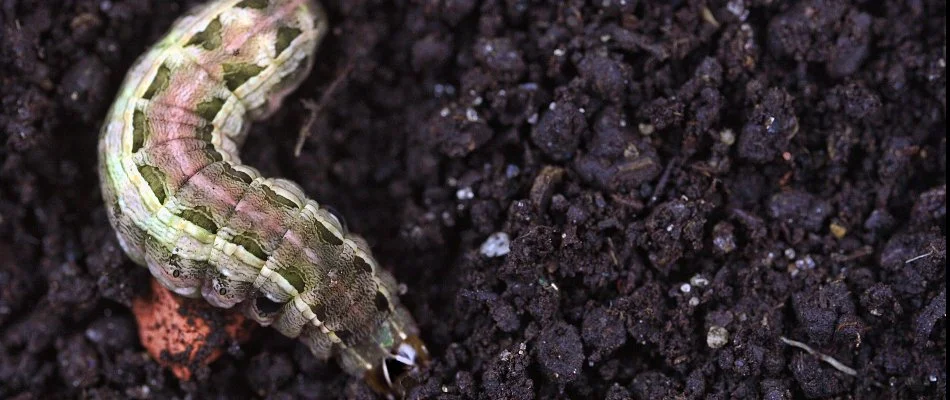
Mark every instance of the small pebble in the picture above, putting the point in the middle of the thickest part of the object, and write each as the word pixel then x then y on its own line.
pixel 717 337
pixel 465 193
pixel 698 280
pixel 497 245
pixel 790 253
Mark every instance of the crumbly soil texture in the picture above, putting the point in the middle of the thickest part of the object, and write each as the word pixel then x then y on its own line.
pixel 610 199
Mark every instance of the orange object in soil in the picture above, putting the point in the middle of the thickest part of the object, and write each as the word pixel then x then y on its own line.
pixel 182 333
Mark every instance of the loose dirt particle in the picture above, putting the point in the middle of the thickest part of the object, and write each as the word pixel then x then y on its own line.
pixel 559 131
pixel 603 331
pixel 560 353
pixel 770 127
pixel 543 187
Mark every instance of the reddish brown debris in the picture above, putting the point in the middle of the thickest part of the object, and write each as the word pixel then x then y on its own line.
pixel 178 332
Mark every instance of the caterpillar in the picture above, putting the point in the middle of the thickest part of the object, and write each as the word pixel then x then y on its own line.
pixel 205 225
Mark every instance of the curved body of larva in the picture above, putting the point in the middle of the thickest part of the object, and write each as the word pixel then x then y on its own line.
pixel 206 226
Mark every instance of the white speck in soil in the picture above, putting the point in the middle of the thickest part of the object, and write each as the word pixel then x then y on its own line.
pixel 465 193
pixel 497 245
pixel 790 253
pixel 698 280
pixel 717 337
pixel 471 114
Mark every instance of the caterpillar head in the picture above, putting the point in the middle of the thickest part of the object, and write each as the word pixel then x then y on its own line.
pixel 394 373
pixel 390 358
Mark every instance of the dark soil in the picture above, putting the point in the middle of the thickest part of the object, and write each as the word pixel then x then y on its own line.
pixel 683 183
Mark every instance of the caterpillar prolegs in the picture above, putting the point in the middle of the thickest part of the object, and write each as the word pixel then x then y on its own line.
pixel 205 225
